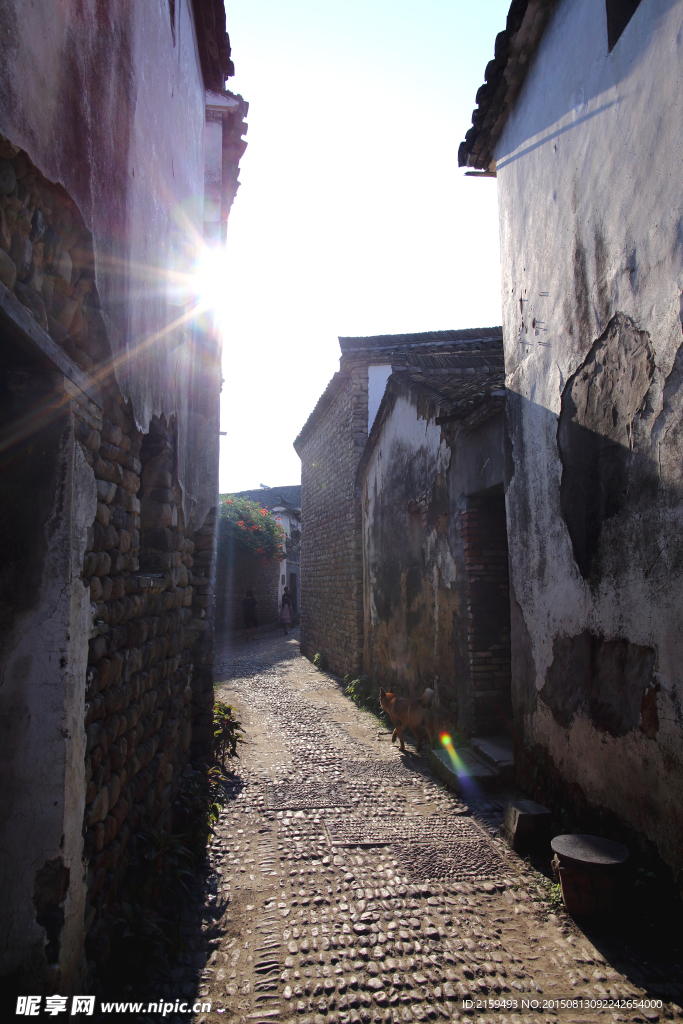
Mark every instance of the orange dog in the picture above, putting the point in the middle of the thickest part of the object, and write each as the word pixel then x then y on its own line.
pixel 412 711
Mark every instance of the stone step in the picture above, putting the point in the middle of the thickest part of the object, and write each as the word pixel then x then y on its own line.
pixel 497 753
pixel 464 772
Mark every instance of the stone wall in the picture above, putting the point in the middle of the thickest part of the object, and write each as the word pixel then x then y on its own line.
pixel 237 572
pixel 46 259
pixel 107 604
pixel 331 550
pixel 149 688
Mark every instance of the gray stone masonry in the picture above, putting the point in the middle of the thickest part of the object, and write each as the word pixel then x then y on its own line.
pixel 149 688
pixel 149 574
pixel 331 549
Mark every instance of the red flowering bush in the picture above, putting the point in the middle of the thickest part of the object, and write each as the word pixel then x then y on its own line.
pixel 248 526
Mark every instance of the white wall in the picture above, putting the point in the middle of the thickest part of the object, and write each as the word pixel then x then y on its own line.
pixel 42 704
pixel 408 444
pixel 377 382
pixel 591 221
pixel 288 523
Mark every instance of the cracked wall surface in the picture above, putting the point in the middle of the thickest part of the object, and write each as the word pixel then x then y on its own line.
pixel 602 405
pixel 592 282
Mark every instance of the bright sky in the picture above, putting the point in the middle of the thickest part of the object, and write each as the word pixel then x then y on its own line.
pixel 353 217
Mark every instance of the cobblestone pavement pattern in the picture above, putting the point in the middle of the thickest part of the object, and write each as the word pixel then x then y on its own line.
pixel 347 884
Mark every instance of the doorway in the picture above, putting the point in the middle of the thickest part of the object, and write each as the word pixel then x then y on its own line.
pixel 488 606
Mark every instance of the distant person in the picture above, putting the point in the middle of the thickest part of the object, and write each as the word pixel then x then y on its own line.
pixel 249 606
pixel 287 610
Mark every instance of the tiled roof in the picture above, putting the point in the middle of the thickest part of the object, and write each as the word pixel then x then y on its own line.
pixel 392 345
pixel 289 497
pixel 457 392
pixel 456 380
pixel 403 348
pixel 467 386
pixel 514 50
pixel 426 339
pixel 213 42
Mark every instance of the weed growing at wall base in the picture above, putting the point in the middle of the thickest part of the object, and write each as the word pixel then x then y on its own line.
pixel 365 695
pixel 321 662
pixel 227 731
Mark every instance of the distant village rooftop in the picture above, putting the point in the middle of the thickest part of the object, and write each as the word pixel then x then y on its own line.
pixel 398 348
pixel 430 339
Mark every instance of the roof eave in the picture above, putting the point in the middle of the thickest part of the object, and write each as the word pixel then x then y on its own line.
pixel 515 49
pixel 214 43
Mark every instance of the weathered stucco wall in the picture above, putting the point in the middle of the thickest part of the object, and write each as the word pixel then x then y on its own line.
pixel 109 102
pixel 48 499
pixel 410 601
pixel 429 564
pixel 591 231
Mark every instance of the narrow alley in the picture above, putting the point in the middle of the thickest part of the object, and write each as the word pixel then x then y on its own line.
pixel 345 883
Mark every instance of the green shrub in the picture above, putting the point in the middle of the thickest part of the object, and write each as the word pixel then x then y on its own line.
pixel 227 731
pixel 244 524
pixel 320 661
pixel 365 694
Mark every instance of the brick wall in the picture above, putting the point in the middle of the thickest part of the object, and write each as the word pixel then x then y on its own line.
pixel 484 536
pixel 149 682
pixel 238 571
pixel 149 688
pixel 331 549
pixel 132 669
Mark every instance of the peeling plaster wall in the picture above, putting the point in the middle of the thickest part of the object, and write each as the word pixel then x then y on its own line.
pixel 592 261
pixel 409 600
pixel 44 662
pixel 418 580
pixel 109 103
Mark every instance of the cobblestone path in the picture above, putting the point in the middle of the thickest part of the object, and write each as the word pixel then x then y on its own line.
pixel 347 884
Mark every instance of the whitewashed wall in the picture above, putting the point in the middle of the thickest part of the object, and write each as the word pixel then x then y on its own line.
pixel 591 220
